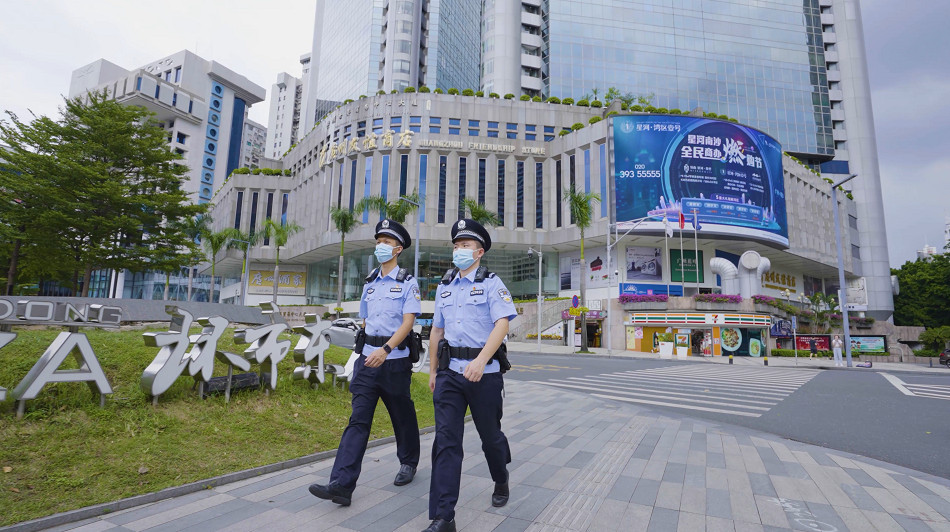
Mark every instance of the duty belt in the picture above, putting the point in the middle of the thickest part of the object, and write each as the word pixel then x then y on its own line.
pixel 464 353
pixel 378 341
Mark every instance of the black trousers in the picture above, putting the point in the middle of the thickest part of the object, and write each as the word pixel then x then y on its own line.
pixel 389 382
pixel 453 393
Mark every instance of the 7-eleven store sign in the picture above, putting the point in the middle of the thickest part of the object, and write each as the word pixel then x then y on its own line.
pixel 697 320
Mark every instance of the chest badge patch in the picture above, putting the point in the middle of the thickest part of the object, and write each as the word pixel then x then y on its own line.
pixel 396 289
pixel 370 291
pixel 477 291
pixel 446 294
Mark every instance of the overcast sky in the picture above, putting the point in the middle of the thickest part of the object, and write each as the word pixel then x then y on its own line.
pixel 42 42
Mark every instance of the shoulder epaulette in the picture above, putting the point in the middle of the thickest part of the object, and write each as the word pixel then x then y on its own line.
pixel 449 275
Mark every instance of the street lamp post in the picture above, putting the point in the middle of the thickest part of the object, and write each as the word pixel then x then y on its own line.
pixel 532 251
pixel 244 273
pixel 787 293
pixel 842 291
pixel 418 217
pixel 611 245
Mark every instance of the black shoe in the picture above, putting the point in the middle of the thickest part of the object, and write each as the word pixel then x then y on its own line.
pixel 405 475
pixel 500 496
pixel 441 525
pixel 332 492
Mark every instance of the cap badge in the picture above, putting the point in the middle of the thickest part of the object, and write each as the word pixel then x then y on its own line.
pixel 461 224
pixel 385 224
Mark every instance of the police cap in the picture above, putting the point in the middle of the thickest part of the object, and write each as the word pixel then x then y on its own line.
pixel 468 228
pixel 387 227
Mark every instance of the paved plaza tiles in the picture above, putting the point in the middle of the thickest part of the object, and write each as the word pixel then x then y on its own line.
pixel 582 462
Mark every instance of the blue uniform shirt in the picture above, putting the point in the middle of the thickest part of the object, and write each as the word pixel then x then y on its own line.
pixel 383 304
pixel 467 311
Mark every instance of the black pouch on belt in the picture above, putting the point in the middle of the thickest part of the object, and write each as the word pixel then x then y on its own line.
pixel 414 342
pixel 443 354
pixel 502 356
pixel 360 341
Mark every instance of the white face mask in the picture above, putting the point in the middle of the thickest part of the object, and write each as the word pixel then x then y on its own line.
pixel 384 252
pixel 463 258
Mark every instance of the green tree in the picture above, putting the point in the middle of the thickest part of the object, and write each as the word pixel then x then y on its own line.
pixel 193 228
pixel 243 241
pixel 345 222
pixel 479 213
pixel 936 338
pixel 628 98
pixel 99 189
pixel 924 298
pixel 213 243
pixel 279 233
pixel 396 211
pixel 579 204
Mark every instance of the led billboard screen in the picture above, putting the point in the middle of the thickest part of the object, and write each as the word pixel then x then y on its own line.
pixel 729 176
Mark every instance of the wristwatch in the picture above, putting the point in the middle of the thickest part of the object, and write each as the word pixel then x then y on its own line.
pixel 387 349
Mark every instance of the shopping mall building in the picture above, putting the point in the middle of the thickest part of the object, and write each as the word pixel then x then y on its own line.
pixel 513 157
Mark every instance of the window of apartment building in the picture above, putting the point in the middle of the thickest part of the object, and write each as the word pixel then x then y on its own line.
pixel 403 174
pixel 168 75
pixel 367 185
pixel 493 125
pixel 454 131
pixel 177 74
pixel 253 226
pixel 512 127
pixel 501 192
pixel 573 173
pixel 181 137
pixel 539 195
pixel 384 180
pixel 443 160
pixel 400 66
pixel 237 209
pixel 403 46
pixel 285 200
pixel 855 251
pixel 481 181
pixel 586 170
pixel 472 132
pixel 519 187
pixel 557 181
pixel 852 222
pixel 405 7
pixel 463 174
pixel 455 121
pixel 493 134
pixel 435 129
pixel 352 184
pixel 530 136
pixel 423 168
pixel 268 211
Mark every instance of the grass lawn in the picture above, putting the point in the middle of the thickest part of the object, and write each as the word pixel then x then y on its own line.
pixel 67 452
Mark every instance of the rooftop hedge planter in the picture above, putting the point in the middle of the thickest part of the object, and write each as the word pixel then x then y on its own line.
pixel 644 302
pixel 717 301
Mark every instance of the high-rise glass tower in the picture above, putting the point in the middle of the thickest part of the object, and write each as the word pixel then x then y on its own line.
pixel 364 46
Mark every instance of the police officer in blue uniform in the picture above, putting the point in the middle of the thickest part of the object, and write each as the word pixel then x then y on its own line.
pixel 472 312
pixel 389 306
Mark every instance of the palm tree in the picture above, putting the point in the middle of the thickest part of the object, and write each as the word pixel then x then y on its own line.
pixel 214 242
pixel 280 233
pixel 345 222
pixel 479 213
pixel 372 203
pixel 579 204
pixel 399 210
pixel 195 228
pixel 243 241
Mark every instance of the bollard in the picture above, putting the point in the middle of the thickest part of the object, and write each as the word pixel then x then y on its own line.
pixel 766 360
pixel 931 362
pixel 730 359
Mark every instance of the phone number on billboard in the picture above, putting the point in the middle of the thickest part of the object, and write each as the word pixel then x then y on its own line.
pixel 639 173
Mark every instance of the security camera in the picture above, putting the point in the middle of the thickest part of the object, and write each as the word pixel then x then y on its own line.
pixel 531 251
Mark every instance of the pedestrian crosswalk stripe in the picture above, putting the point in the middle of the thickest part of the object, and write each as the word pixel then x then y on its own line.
pixel 668 395
pixel 658 403
pixel 733 391
pixel 659 387
pixel 931 391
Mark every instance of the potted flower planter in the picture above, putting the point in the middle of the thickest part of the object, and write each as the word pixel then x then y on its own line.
pixel 666 349
pixel 646 305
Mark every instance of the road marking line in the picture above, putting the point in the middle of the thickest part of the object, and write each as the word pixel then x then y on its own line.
pixel 899 384
pixel 658 403
pixel 762 408
pixel 725 375
pixel 715 382
pixel 712 395
pixel 698 388
pixel 938 386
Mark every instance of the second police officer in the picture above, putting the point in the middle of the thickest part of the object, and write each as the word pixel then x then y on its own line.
pixel 472 311
pixel 389 305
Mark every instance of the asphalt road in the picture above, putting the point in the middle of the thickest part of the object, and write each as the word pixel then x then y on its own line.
pixel 856 411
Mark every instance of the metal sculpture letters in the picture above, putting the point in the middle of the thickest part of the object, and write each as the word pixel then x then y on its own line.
pixel 312 344
pixel 264 343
